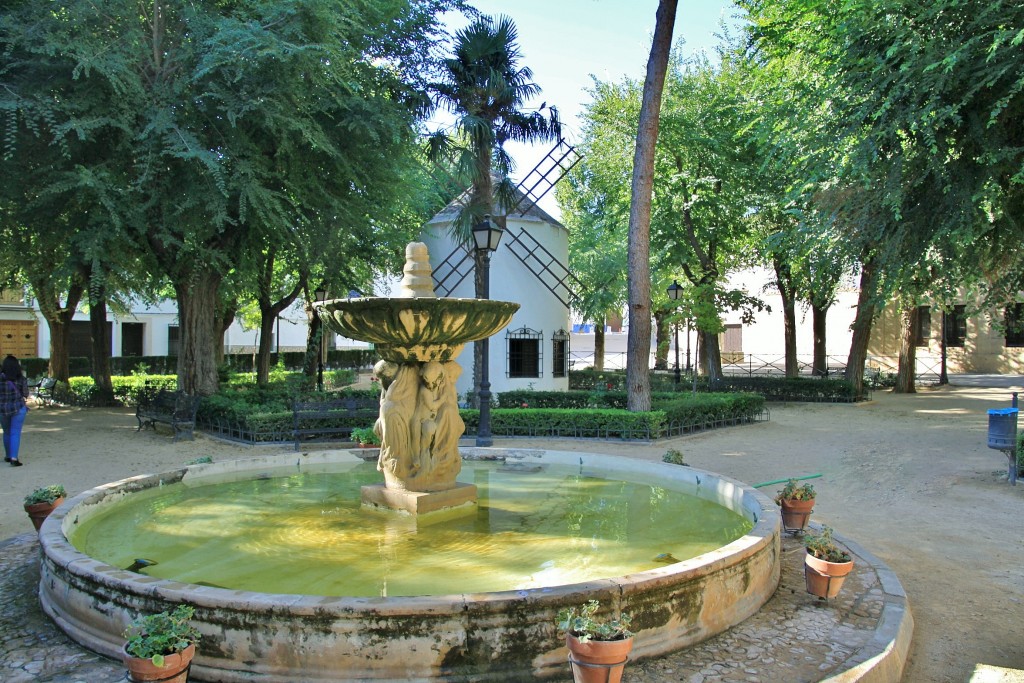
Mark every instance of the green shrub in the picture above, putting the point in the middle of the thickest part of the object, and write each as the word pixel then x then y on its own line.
pixel 674 457
pixel 588 423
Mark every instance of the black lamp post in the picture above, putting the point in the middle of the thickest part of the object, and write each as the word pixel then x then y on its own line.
pixel 675 291
pixel 487 236
pixel 321 295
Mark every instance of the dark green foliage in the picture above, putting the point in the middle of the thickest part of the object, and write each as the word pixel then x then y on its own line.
pixel 689 410
pixel 186 136
pixel 792 389
pixel 598 424
pixel 525 398
pixel 772 388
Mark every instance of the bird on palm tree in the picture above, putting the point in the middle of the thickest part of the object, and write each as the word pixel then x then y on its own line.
pixel 486 88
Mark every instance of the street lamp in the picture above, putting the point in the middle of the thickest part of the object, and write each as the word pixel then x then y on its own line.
pixel 321 294
pixel 487 236
pixel 675 291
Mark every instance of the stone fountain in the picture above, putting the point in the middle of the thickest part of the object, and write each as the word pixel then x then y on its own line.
pixel 417 336
pixel 506 635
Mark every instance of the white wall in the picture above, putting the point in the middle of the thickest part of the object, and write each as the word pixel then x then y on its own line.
pixel 510 280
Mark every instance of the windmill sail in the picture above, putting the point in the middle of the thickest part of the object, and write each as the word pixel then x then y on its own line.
pixel 559 160
pixel 551 272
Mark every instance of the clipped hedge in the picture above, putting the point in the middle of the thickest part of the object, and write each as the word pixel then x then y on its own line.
pixel 127 390
pixel 252 414
pixel 810 389
pixel 792 388
pixel 546 422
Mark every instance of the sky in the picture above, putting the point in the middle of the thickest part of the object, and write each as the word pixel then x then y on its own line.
pixel 566 42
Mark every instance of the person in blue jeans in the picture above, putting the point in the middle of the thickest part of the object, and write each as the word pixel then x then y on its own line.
pixel 13 392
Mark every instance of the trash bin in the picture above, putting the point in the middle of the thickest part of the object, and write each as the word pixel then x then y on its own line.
pixel 1002 429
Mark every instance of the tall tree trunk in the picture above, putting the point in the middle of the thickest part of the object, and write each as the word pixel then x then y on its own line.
pixel 662 340
pixel 263 353
pixel 313 331
pixel 862 323
pixel 909 317
pixel 58 319
pixel 784 281
pixel 104 392
pixel 638 359
pixel 200 334
pixel 225 316
pixel 819 316
pixel 710 356
pixel 599 344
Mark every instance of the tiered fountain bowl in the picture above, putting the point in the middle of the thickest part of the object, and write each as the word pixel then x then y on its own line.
pixel 498 636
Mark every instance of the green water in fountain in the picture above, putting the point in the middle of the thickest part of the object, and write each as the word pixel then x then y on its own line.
pixel 307 533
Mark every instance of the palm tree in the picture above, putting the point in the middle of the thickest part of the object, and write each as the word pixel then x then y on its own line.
pixel 486 89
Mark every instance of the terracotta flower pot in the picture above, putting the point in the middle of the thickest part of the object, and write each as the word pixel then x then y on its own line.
pixel 824 578
pixel 38 512
pixel 174 670
pixel 598 661
pixel 796 513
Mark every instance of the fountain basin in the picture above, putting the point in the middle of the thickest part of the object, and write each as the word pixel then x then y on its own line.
pixel 416 329
pixel 250 636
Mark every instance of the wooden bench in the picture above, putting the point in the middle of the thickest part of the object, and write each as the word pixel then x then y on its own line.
pixel 174 408
pixel 321 421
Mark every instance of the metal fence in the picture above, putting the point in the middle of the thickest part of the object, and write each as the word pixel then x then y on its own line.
pixel 767 365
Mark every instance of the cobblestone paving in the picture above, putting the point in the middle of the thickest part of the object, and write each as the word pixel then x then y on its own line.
pixel 795 638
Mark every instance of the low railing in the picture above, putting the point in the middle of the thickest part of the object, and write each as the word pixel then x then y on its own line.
pixel 765 365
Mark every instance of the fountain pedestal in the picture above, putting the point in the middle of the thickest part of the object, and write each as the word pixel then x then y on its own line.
pixel 418 335
pixel 420 502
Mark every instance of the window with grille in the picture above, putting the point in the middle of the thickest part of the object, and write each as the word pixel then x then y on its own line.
pixel 524 353
pixel 924 326
pixel 956 326
pixel 560 354
pixel 1015 325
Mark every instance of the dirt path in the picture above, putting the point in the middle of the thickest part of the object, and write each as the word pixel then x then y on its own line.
pixel 909 477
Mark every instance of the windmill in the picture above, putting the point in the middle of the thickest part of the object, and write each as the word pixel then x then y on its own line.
pixel 545 266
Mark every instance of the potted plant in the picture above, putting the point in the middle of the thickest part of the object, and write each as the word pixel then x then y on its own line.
pixel 797 503
pixel 41 502
pixel 161 646
pixel 598 648
pixel 826 564
pixel 365 437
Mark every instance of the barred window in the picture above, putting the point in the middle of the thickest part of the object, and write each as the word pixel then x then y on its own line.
pixel 560 354
pixel 524 353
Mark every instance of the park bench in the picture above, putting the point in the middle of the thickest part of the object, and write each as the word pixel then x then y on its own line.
pixel 174 408
pixel 321 421
pixel 44 389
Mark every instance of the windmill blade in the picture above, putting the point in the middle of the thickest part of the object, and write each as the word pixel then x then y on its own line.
pixel 551 272
pixel 449 273
pixel 559 160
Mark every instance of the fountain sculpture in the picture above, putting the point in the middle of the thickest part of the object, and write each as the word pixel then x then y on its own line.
pixel 417 335
pixel 504 635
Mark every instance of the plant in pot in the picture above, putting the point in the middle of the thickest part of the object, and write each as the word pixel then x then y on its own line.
pixel 797 503
pixel 365 437
pixel 41 502
pixel 161 646
pixel 826 564
pixel 598 648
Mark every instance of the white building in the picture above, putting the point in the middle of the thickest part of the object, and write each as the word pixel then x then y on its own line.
pixel 528 268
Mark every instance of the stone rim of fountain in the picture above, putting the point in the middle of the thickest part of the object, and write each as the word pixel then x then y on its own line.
pixel 92 601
